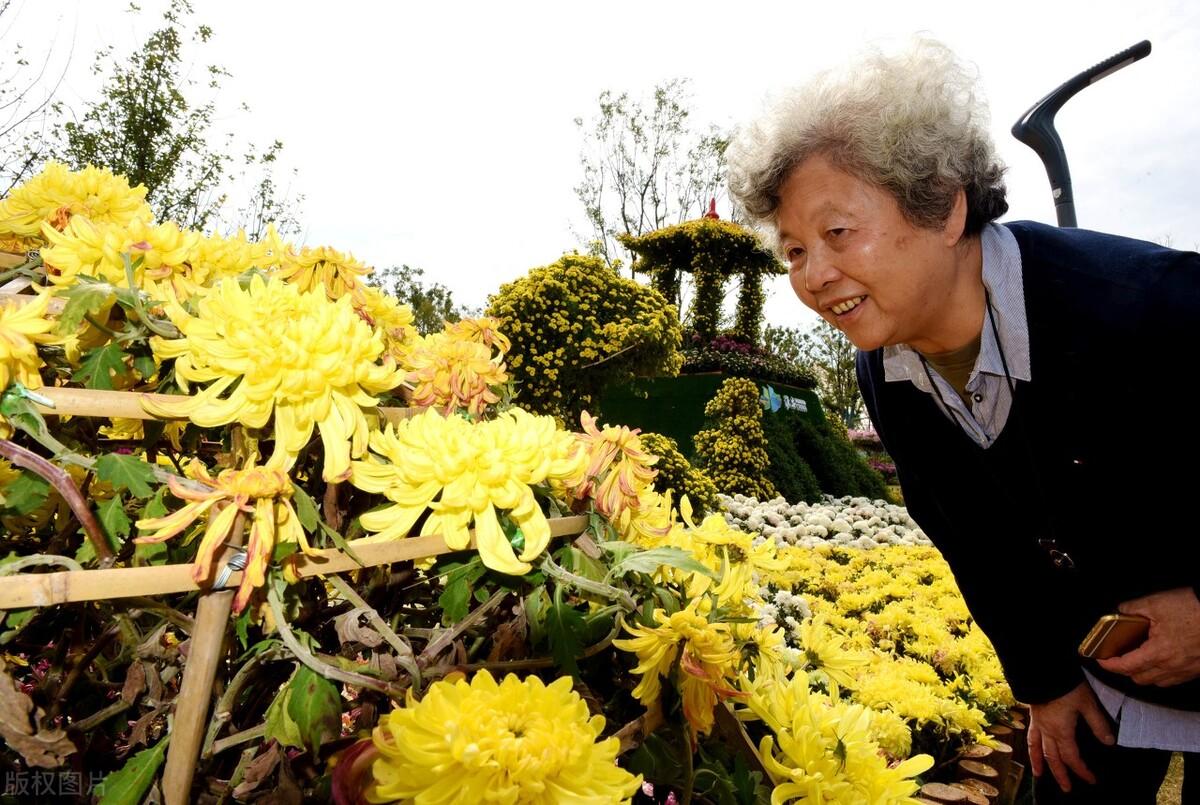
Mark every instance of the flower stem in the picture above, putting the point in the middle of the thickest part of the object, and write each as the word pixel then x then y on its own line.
pixel 224 710
pixel 404 652
pixel 324 669
pixel 561 574
pixel 439 643
pixel 61 481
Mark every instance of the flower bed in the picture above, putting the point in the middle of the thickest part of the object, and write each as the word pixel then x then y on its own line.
pixel 252 458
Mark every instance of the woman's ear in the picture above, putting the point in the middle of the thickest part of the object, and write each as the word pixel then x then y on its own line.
pixel 956 223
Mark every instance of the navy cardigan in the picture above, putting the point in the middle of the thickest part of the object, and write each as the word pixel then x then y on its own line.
pixel 1094 459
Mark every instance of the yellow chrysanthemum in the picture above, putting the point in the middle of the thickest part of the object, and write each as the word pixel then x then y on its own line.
pixel 122 429
pixel 96 250
pixel 706 655
pixel 473 471
pixel 825 655
pixel 619 472
pixel 384 312
pixel 216 257
pixel 22 327
pixel 449 372
pixel 57 193
pixel 826 752
pixel 517 741
pixel 308 361
pixel 258 491
pixel 323 267
pixel 484 330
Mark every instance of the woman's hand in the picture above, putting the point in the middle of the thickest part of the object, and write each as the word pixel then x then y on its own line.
pixel 1171 654
pixel 1051 735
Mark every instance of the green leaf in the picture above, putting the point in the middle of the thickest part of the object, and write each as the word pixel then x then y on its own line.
pixel 150 553
pixel 280 725
pixel 99 365
pixel 536 604
pixel 315 707
pixel 339 542
pixel 155 507
pixel 651 560
pixel 145 366
pixel 25 494
pixel 126 472
pixel 580 563
pixel 564 627
pixel 306 509
pixel 86 553
pixel 456 597
pixel 85 298
pixel 618 549
pixel 19 410
pixel 115 521
pixel 14 621
pixel 129 784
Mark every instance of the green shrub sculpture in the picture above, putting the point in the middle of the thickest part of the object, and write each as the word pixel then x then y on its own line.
pixel 712 251
pixel 575 327
pixel 676 473
pixel 733 451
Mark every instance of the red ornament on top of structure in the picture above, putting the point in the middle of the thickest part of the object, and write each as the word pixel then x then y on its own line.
pixel 712 210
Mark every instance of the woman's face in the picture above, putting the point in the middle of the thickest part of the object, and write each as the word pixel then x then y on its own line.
pixel 858 262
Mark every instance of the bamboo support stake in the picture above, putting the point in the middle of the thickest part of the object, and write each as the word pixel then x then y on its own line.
pixel 128 404
pixel 199 673
pixel 61 587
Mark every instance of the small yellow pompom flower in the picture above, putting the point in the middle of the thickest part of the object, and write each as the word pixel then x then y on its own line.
pixel 516 741
pixel 308 361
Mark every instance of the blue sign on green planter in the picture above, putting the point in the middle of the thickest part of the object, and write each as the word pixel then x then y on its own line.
pixel 674 406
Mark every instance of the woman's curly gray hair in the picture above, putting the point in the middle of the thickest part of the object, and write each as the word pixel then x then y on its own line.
pixel 912 124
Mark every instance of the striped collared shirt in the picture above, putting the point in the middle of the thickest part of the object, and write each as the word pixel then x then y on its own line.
pixel 988 385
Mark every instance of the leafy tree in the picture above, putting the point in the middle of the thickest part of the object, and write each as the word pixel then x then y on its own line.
pixel 145 127
pixel 432 305
pixel 645 166
pixel 831 356
pixel 26 102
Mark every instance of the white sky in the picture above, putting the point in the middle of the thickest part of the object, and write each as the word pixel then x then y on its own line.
pixel 441 134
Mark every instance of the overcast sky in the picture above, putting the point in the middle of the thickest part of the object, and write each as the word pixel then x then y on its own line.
pixel 441 134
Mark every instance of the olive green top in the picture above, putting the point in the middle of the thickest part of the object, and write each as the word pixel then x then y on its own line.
pixel 956 366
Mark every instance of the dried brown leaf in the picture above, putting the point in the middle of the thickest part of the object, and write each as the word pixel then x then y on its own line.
pixel 349 630
pixel 258 770
pixel 154 682
pixel 286 791
pixel 44 748
pixel 590 549
pixel 140 734
pixel 385 665
pixel 509 642
pixel 155 645
pixel 135 682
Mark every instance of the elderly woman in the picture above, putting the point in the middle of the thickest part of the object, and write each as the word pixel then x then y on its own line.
pixel 1010 371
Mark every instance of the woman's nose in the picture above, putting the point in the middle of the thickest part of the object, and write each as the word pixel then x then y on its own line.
pixel 819 271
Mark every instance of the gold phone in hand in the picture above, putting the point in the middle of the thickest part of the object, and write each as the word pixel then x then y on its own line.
pixel 1114 635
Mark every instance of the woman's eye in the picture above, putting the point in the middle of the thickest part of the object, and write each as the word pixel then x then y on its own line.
pixel 795 253
pixel 837 231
